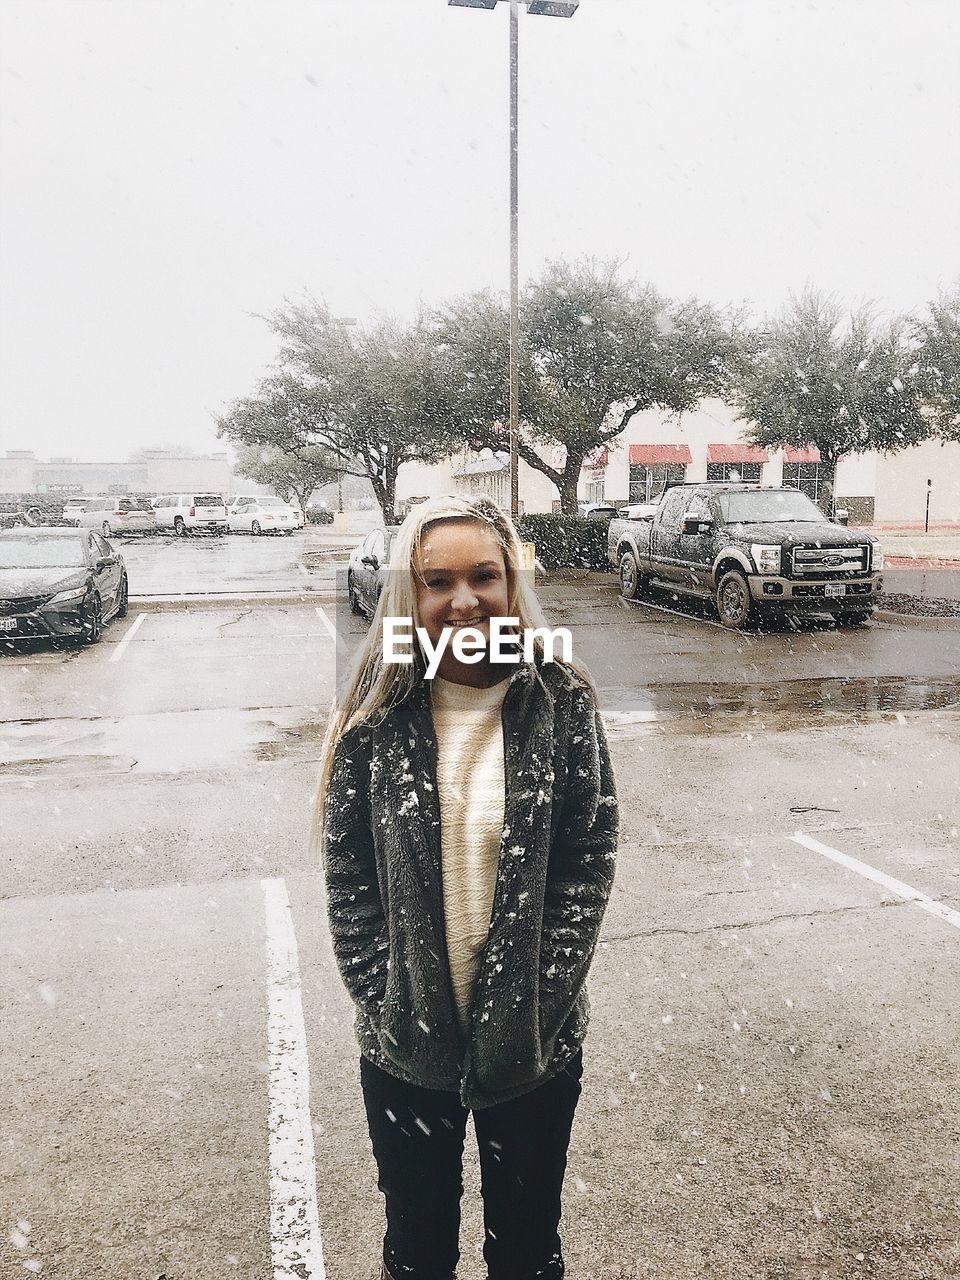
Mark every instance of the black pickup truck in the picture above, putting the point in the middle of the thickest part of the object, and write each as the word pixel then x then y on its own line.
pixel 751 550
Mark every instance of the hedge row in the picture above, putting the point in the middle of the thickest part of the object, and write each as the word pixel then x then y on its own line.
pixel 566 542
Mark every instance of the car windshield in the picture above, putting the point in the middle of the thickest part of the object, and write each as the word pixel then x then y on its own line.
pixel 758 506
pixel 41 553
pixel 272 502
pixel 208 500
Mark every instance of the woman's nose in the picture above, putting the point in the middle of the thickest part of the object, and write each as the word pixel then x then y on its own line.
pixel 464 597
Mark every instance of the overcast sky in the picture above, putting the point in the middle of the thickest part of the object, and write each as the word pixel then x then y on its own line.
pixel 169 170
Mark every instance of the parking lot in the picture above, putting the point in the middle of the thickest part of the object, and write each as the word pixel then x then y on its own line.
pixel 771 1072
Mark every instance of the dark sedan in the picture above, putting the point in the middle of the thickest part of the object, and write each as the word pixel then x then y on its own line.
pixel 367 569
pixel 59 583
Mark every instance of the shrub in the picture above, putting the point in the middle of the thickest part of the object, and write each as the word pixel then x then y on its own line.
pixel 566 542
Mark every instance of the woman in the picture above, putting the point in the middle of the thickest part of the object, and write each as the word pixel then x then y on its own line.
pixel 468 826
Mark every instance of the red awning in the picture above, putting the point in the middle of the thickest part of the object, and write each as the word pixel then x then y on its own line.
pixel 656 454
pixel 809 453
pixel 597 460
pixel 736 453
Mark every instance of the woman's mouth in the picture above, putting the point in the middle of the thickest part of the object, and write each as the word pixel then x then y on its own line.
pixel 464 622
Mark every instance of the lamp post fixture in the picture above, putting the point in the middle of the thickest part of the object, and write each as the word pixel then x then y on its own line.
pixel 548 9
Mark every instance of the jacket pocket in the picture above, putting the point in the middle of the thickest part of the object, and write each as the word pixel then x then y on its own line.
pixel 414 1031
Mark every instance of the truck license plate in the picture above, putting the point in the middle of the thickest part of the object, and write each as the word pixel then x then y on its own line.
pixel 834 589
pixel 8 624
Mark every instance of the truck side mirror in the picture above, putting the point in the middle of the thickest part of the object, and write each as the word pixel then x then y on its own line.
pixel 842 515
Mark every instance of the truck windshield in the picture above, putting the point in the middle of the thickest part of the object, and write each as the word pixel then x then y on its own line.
pixel 759 506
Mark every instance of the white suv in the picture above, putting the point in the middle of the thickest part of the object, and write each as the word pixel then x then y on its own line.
pixel 184 512
pixel 116 515
pixel 73 509
pixel 261 514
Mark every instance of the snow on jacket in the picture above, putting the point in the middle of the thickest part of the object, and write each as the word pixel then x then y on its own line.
pixel 530 1007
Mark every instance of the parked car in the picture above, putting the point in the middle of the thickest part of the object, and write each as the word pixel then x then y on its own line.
pixel 189 512
pixel 405 505
pixel 637 511
pixel 30 510
pixel 72 510
pixel 598 510
pixel 367 569
pixel 262 514
pixel 59 582
pixel 113 516
pixel 15 514
pixel 753 551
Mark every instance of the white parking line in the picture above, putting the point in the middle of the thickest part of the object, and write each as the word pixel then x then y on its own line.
pixel 335 635
pixel 295 1244
pixel 675 613
pixel 122 646
pixel 880 877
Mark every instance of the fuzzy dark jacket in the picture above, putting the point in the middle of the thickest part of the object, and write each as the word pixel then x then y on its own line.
pixel 530 1008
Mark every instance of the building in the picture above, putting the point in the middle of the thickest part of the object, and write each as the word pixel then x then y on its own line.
pixel 155 471
pixel 707 444
pixel 473 474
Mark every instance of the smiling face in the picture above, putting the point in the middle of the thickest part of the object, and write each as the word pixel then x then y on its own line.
pixel 461 581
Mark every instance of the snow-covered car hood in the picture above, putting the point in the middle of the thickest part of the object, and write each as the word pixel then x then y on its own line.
pixel 788 533
pixel 19 583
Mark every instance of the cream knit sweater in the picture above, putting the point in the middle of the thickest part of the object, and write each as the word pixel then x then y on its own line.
pixel 471 786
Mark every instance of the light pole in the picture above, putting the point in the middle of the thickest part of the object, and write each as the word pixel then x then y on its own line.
pixel 347 322
pixel 548 9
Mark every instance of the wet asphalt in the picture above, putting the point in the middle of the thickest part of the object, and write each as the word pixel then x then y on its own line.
pixel 771 1073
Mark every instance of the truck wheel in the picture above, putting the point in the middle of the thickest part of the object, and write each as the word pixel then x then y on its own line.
pixel 632 581
pixel 179 528
pixel 733 600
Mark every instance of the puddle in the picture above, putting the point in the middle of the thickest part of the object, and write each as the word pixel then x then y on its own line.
pixel 325 555
pixel 304 739
pixel 716 707
pixel 188 741
pixel 173 742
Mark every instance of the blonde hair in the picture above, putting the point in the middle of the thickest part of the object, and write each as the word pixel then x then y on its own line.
pixel 374 687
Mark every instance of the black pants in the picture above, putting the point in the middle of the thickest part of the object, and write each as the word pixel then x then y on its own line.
pixel 418 1136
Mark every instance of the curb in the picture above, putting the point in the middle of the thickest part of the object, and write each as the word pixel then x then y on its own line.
pixel 927 622
pixel 160 604
pixel 920 562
